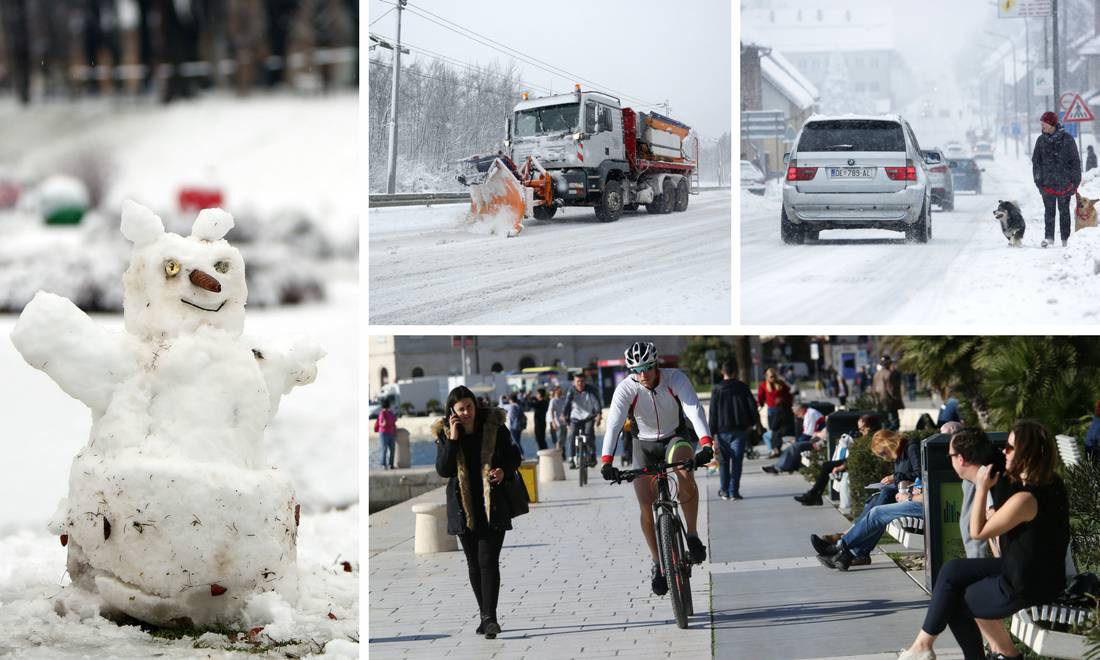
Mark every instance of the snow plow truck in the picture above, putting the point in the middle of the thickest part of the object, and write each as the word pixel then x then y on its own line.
pixel 583 149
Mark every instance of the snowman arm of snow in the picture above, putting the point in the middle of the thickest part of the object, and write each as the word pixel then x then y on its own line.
pixel 286 365
pixel 86 360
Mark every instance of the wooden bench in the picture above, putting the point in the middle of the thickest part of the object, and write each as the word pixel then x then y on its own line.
pixel 908 530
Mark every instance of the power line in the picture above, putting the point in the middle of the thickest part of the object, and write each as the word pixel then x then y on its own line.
pixel 388 12
pixel 545 66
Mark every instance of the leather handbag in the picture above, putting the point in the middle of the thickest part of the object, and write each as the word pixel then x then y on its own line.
pixel 516 492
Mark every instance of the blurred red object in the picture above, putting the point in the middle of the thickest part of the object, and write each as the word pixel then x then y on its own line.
pixel 195 198
pixel 9 194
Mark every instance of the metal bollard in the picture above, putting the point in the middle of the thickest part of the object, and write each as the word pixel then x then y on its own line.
pixel 402 457
pixel 431 529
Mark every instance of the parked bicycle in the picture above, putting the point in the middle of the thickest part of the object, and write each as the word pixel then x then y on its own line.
pixel 675 561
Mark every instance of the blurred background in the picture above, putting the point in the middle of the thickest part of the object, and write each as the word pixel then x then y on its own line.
pixel 248 105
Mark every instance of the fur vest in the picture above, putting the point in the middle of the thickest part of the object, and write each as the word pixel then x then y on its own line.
pixel 494 420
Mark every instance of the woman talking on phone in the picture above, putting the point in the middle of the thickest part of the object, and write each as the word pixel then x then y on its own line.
pixel 475 451
pixel 1032 520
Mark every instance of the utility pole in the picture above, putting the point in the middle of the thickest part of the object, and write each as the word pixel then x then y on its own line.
pixel 1027 63
pixel 391 176
pixel 1056 59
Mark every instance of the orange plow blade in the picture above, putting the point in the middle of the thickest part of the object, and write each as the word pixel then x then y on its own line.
pixel 499 197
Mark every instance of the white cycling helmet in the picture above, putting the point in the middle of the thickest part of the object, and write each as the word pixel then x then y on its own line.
pixel 641 354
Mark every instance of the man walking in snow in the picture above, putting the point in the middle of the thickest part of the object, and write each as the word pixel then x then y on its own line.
pixel 1056 169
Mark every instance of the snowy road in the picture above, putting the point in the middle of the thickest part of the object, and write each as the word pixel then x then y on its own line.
pixel 428 266
pixel 966 274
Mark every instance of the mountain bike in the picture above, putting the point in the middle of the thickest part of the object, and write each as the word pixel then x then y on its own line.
pixel 675 560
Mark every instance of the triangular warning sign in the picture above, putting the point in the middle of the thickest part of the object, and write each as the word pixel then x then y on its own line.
pixel 1078 111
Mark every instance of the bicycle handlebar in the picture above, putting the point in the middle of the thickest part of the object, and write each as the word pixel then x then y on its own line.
pixel 653 470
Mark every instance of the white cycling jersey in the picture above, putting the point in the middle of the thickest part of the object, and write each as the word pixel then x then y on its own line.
pixel 656 411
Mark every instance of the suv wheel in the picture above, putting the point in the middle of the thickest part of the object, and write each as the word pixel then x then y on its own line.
pixel 921 230
pixel 792 234
pixel 949 203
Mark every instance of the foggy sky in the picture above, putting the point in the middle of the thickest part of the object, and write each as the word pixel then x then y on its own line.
pixel 649 49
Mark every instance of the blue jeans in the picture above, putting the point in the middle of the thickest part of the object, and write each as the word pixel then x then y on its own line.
pixel 731 453
pixel 389 448
pixel 869 528
pixel 791 458
pixel 516 435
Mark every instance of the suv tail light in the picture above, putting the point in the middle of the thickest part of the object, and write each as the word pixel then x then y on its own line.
pixel 795 173
pixel 907 173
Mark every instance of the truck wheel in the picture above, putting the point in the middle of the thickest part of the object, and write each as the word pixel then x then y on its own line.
pixel 682 194
pixel 545 212
pixel 792 234
pixel 668 196
pixel 632 207
pixel 610 206
pixel 657 205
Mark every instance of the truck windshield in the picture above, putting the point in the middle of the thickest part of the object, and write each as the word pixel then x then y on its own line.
pixel 550 119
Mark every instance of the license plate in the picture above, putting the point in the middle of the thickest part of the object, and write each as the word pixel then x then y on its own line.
pixel 851 172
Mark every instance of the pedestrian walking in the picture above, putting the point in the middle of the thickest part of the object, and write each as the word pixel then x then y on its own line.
pixel 841 387
pixel 733 413
pixel 539 405
pixel 555 418
pixel 776 395
pixel 1090 159
pixel 1056 169
pixel 474 451
pixel 886 389
pixel 385 425
pixel 1031 519
pixel 517 420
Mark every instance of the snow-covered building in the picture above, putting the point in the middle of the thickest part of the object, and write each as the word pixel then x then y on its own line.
pixel 770 81
pixel 834 44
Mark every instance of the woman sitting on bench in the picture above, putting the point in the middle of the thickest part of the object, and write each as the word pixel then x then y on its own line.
pixel 1031 518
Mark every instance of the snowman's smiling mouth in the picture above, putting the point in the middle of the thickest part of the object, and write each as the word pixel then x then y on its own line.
pixel 205 309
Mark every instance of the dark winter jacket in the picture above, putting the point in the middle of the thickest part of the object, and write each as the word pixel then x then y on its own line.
pixel 1090 160
pixel 1055 163
pixel 472 501
pixel 732 407
pixel 907 466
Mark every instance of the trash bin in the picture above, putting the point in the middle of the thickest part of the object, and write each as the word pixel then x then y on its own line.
pixel 823 407
pixel 942 504
pixel 529 470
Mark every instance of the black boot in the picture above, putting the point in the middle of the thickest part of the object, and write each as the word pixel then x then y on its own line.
pixel 840 561
pixel 481 627
pixel 492 628
pixel 809 498
pixel 822 547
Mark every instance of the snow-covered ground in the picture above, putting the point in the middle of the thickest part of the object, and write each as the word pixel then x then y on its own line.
pixel 430 266
pixel 314 438
pixel 966 275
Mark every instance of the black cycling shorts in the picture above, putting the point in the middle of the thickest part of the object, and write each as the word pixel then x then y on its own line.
pixel 651 452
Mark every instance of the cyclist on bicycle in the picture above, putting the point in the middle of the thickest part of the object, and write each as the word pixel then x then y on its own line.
pixel 584 412
pixel 654 398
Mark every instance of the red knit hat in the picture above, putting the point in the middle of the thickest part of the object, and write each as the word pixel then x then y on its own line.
pixel 1049 118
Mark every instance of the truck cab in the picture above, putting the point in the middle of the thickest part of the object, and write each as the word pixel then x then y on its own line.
pixel 581 129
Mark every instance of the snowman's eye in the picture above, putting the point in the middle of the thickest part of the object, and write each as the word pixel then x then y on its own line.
pixel 171 268
pixel 222 266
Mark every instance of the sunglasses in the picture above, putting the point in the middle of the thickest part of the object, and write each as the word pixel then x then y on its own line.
pixel 642 368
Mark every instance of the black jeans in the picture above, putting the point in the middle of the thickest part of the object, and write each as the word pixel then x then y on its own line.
pixel 482 549
pixel 1063 215
pixel 540 435
pixel 967 589
pixel 823 475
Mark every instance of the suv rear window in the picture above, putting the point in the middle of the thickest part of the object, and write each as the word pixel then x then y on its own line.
pixel 852 135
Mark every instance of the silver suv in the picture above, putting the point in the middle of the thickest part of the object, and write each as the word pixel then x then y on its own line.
pixel 856 172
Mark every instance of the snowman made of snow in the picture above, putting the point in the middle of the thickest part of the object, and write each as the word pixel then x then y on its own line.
pixel 173 517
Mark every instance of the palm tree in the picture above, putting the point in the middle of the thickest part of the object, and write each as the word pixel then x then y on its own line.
pixel 945 362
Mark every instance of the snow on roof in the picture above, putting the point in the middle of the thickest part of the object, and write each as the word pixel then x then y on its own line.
pixel 779 71
pixel 828 27
pixel 888 116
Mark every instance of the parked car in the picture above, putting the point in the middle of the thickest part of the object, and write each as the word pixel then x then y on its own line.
pixel 939 176
pixel 752 179
pixel 983 150
pixel 965 174
pixel 856 172
pixel 955 150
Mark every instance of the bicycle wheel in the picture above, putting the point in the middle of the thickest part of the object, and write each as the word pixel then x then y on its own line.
pixel 685 570
pixel 582 462
pixel 671 558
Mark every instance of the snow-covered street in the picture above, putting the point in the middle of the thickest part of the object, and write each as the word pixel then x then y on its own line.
pixel 429 266
pixel 967 274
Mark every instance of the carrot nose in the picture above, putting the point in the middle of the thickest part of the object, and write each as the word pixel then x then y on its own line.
pixel 204 281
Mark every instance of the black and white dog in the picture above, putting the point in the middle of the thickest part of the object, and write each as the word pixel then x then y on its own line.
pixel 1012 221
